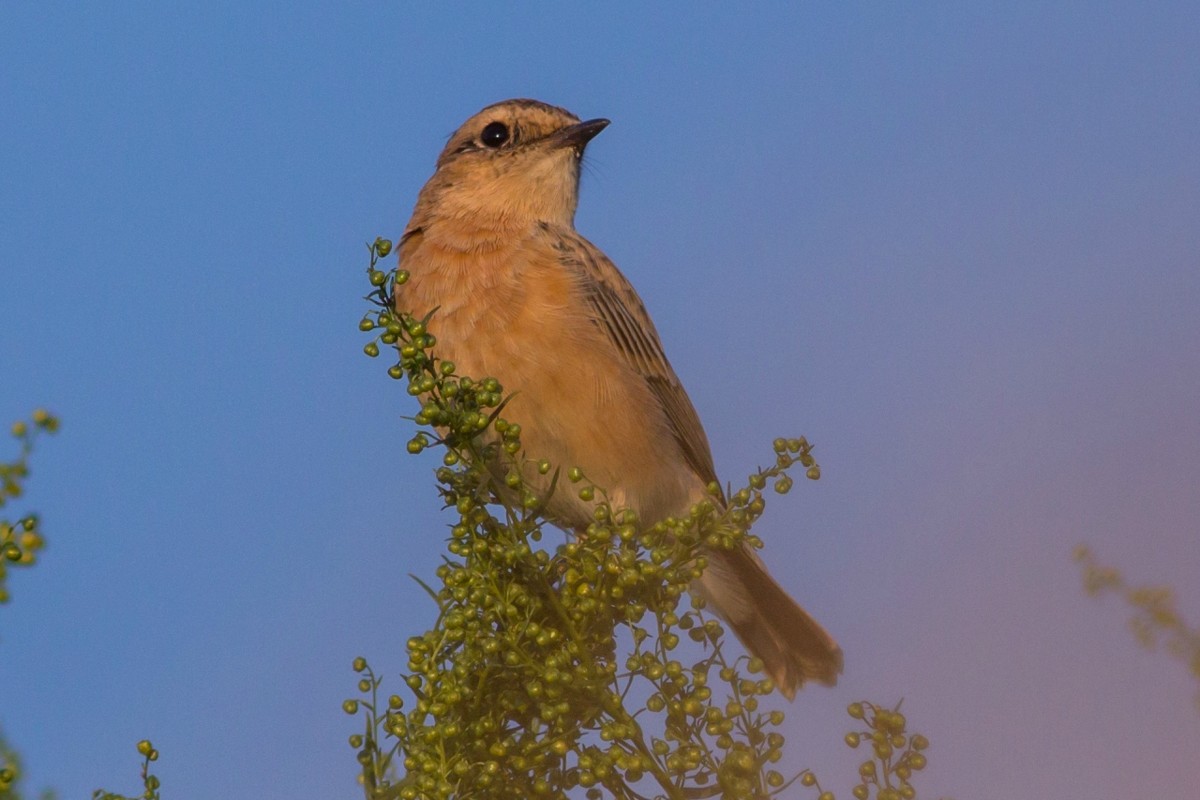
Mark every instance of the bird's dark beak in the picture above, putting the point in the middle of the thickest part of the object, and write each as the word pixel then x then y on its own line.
pixel 579 135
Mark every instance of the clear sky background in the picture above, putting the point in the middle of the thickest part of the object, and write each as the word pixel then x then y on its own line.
pixel 956 245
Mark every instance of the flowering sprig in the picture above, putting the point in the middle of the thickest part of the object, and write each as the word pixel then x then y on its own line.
pixel 20 541
pixel 565 670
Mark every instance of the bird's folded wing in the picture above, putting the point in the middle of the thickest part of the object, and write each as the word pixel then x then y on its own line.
pixel 619 312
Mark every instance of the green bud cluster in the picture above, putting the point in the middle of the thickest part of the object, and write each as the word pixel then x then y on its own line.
pixel 150 782
pixel 895 753
pixel 20 541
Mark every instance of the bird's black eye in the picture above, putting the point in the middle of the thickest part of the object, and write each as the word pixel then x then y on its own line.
pixel 494 134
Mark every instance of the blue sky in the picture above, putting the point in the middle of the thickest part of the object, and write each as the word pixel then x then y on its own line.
pixel 956 246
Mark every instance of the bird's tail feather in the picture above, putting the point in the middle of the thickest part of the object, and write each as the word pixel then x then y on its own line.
pixel 791 644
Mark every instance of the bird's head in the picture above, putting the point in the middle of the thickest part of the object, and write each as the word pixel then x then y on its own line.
pixel 512 163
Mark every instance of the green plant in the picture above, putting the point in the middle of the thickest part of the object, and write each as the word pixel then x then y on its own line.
pixel 20 541
pixel 11 774
pixel 150 782
pixel 551 671
pixel 1156 620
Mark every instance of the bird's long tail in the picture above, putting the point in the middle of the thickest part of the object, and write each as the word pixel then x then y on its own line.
pixel 791 644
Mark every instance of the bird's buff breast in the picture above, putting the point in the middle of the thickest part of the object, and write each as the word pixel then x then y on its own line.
pixel 578 404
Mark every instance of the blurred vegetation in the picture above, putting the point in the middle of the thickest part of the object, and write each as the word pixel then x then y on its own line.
pixel 1156 622
pixel 582 668
pixel 20 543
pixel 21 540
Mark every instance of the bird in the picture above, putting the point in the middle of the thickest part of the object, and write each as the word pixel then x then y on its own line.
pixel 519 295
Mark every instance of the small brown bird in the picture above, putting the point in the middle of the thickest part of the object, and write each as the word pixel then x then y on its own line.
pixel 520 296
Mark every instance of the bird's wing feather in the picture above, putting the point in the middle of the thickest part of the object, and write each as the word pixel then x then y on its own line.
pixel 619 313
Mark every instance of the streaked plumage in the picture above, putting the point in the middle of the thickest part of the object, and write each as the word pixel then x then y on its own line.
pixel 521 296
